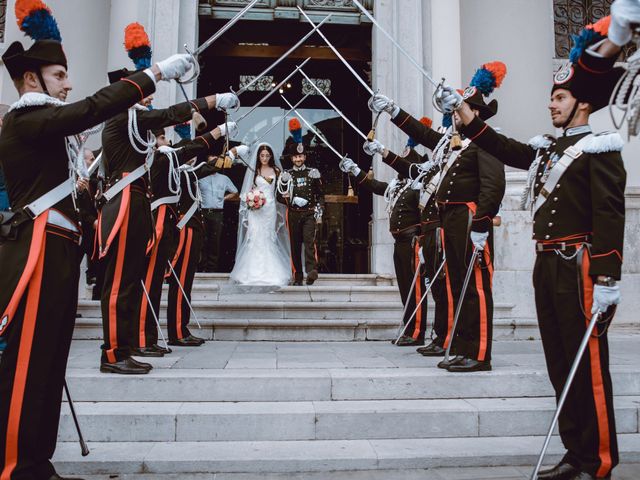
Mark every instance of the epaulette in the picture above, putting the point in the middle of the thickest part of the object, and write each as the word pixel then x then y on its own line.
pixel 314 173
pixel 541 141
pixel 603 142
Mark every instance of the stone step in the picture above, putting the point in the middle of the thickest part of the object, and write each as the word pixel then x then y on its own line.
pixel 324 383
pixel 314 455
pixel 299 321
pixel 324 420
pixel 361 279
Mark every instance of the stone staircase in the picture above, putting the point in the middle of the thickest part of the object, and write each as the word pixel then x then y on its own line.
pixel 290 407
pixel 337 308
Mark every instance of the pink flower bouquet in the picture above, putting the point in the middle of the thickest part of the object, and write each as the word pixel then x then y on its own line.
pixel 255 199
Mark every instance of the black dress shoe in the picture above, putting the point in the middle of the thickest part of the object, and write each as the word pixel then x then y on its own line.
pixel 432 350
pixel 146 352
pixel 297 283
pixel 158 348
pixel 407 341
pixel 138 363
pixel 312 276
pixel 452 361
pixel 562 471
pixel 470 365
pixel 128 366
pixel 189 341
pixel 587 476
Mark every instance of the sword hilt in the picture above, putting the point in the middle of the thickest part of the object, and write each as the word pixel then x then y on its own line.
pixel 196 68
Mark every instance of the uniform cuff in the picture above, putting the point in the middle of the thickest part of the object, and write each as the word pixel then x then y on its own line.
pixel 401 118
pixel 145 85
pixel 481 225
pixel 200 104
pixel 208 139
pixel 608 264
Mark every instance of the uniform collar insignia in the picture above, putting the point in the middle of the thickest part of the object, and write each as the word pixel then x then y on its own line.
pixel 36 99
pixel 579 130
pixel 301 168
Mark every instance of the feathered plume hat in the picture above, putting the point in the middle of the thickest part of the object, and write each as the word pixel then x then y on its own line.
pixel 138 47
pixel 36 21
pixel 296 147
pixel 486 79
pixel 584 85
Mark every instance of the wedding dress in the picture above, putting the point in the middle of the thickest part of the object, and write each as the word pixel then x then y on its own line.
pixel 262 257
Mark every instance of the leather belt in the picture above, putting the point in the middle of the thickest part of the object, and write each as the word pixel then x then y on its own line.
pixel 571 244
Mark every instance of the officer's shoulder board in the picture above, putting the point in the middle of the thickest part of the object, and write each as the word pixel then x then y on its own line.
pixel 541 141
pixel 604 142
pixel 314 173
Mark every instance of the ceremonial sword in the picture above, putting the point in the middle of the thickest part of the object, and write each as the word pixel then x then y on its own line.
pixel 372 133
pixel 456 143
pixel 213 38
pixel 285 55
pixel 565 390
pixel 83 444
pixel 153 312
pixel 421 299
pixel 314 131
pixel 465 285
pixel 279 120
pixel 344 117
pixel 273 90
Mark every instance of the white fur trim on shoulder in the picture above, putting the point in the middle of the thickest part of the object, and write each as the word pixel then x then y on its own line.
pixel 35 99
pixel 314 173
pixel 604 142
pixel 540 141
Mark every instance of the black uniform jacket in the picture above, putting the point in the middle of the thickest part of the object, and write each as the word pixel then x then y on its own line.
pixel 589 198
pixel 406 166
pixel 405 215
pixel 187 150
pixel 33 155
pixel 305 186
pixel 474 177
pixel 120 155
pixel 191 181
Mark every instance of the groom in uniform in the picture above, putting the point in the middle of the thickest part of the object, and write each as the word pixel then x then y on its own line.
pixel 303 201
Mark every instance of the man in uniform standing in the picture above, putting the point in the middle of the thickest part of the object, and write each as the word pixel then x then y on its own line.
pixel 468 195
pixel 576 193
pixel 303 199
pixel 125 221
pixel 40 258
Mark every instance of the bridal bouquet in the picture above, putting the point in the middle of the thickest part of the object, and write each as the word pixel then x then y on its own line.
pixel 255 199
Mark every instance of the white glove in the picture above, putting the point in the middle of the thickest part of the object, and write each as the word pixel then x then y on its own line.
pixel 231 127
pixel 479 239
pixel 285 177
pixel 243 151
pixel 227 101
pixel 624 13
pixel 300 202
pixel 421 256
pixel 604 297
pixel 349 166
pixel 175 66
pixel 448 99
pixel 373 147
pixel 380 103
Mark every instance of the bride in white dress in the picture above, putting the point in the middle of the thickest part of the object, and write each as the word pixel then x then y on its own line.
pixel 262 257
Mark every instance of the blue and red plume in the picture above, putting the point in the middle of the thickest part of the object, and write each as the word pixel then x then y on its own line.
pixel 296 130
pixel 447 120
pixel 183 130
pixel 35 20
pixel 138 45
pixel 588 36
pixel 489 77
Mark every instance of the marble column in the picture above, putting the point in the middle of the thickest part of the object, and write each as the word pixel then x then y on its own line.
pixel 408 21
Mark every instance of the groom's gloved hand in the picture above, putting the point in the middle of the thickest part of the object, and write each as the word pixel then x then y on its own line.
pixel 300 202
pixel 285 177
